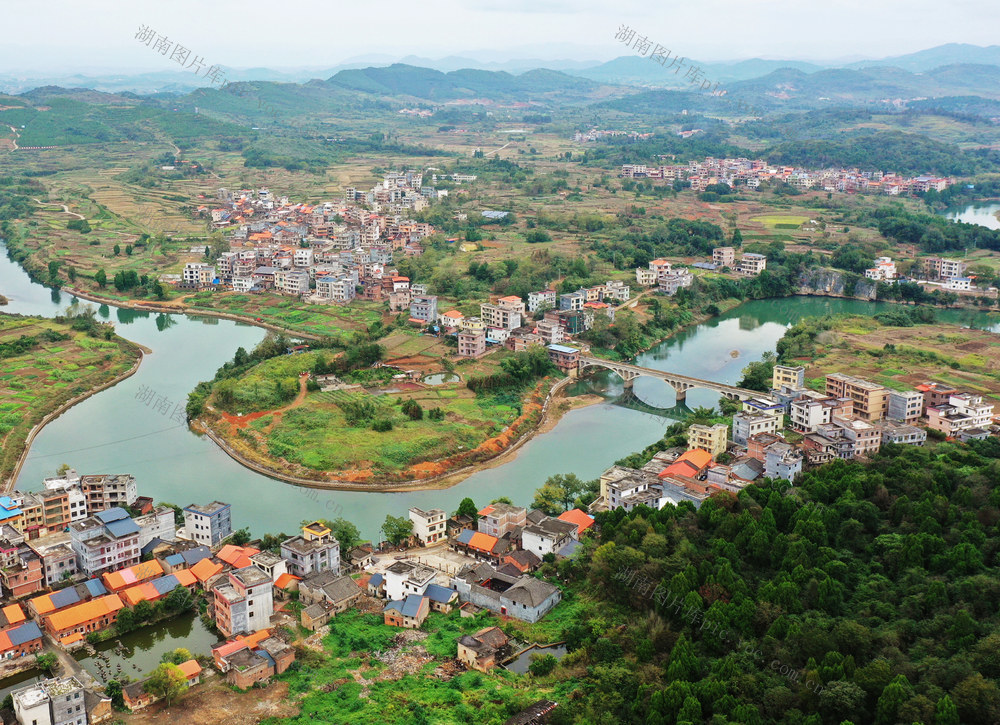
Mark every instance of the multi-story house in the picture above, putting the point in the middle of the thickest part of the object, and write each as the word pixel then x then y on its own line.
pixel 506 314
pixel 807 413
pixel 963 412
pixel 104 491
pixel 405 578
pixel 781 460
pixel 58 701
pixel 23 574
pixel 545 299
pixel 573 300
pixel 499 519
pixel 106 541
pixel 547 536
pixel 940 268
pixel 752 264
pixel 902 434
pixel 617 290
pixel 670 283
pixel 747 423
pixel 315 550
pixel 157 524
pixel 869 400
pixel 788 376
pixel 428 526
pixel 564 357
pixel 208 525
pixel 645 277
pixel 471 342
pixel 243 602
pixel 58 561
pixel 865 438
pixel 710 438
pixel 905 406
pixel 550 332
pixel 424 308
pixel 724 256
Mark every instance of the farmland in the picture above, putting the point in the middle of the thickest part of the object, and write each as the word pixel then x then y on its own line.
pixel 44 364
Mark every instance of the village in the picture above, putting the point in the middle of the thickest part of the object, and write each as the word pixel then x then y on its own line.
pixel 87 552
pixel 752 173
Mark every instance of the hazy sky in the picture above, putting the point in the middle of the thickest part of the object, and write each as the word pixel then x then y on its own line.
pixel 85 35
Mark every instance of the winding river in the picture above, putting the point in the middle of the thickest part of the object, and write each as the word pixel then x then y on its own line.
pixel 120 431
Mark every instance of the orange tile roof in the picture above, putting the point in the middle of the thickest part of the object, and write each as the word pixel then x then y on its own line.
pixel 191 668
pixel 14 614
pixel 137 574
pixel 252 640
pixel 285 579
pixel 5 643
pixel 72 638
pixel 454 314
pixel 689 464
pixel 86 612
pixel 483 542
pixel 139 593
pixel 224 650
pixel 185 577
pixel 510 298
pixel 42 604
pixel 206 569
pixel 578 517
pixel 486 511
pixel 234 555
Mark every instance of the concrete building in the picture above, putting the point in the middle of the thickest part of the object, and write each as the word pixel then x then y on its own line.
pixel 499 519
pixel 506 314
pixel 710 438
pixel 905 406
pixel 243 602
pixel 524 597
pixel 963 412
pixel 547 537
pixel 315 550
pixel 544 299
pixel 424 308
pixel 782 461
pixel 208 525
pixel 670 283
pixel 869 400
pixel 746 424
pixel 645 277
pixel 405 578
pixel 564 357
pixel 788 376
pixel 752 264
pixel 103 491
pixel 724 257
pixel 808 413
pixel 58 701
pixel 107 541
pixel 157 524
pixel 428 526
pixel 902 434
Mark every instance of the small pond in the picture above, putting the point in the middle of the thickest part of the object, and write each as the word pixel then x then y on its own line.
pixel 440 378
pixel 521 663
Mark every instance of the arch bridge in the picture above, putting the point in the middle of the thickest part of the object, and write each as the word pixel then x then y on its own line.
pixel 680 383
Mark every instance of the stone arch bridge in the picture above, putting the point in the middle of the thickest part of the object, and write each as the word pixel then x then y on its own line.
pixel 680 383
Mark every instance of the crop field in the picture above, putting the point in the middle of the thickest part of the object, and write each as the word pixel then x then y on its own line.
pixel 43 364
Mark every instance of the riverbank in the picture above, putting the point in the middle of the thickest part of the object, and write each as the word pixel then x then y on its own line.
pixel 549 415
pixel 42 371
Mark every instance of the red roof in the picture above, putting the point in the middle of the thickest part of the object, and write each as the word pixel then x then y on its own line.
pixel 191 668
pixel 486 511
pixel 285 579
pixel 578 517
pixel 691 463
pixel 237 556
pixel 483 542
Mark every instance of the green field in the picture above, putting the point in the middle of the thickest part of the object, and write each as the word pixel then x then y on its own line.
pixel 43 364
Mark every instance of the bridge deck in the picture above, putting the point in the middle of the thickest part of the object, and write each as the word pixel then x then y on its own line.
pixel 669 377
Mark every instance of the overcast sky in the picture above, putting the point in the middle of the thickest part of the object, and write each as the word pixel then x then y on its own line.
pixel 88 35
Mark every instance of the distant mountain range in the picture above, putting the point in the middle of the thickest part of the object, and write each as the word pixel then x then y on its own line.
pixel 629 69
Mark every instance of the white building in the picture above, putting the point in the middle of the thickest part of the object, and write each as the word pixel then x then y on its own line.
pixel 158 524
pixel 547 537
pixel 545 298
pixel 291 282
pixel 405 578
pixel 244 602
pixel 428 526
pixel 208 525
pixel 645 277
pixel 59 701
pixel 747 423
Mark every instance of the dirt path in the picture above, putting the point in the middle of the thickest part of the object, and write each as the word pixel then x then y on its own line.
pixel 213 702
pixel 241 421
pixel 64 208
pixel 13 141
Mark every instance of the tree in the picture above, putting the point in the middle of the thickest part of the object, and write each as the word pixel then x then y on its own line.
pixel 344 532
pixel 502 499
pixel 240 537
pixel 63 469
pixel 117 249
pixel 467 507
pixel 396 529
pixel 101 277
pixel 114 690
pixel 757 375
pixel 167 682
pixel 47 662
pixel 945 713
pixel 548 499
pixel 179 600
pixel 177 656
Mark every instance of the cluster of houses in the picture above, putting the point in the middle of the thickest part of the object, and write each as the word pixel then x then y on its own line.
pixel 751 173
pixel 852 418
pixel 668 278
pixel 508 320
pixel 326 253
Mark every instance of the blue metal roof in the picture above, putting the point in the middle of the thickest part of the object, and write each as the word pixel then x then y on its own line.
pixel 64 598
pixel 95 587
pixel 148 548
pixel 563 348
pixel 466 536
pixel 376 580
pixel 24 633
pixel 165 584
pixel 115 513
pixel 193 556
pixel 411 607
pixel 125 527
pixel 174 560
pixel 438 593
pixel 394 605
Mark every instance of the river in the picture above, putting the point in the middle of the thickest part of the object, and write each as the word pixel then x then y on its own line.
pixel 116 432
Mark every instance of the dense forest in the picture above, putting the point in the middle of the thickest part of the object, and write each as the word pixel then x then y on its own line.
pixel 864 593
